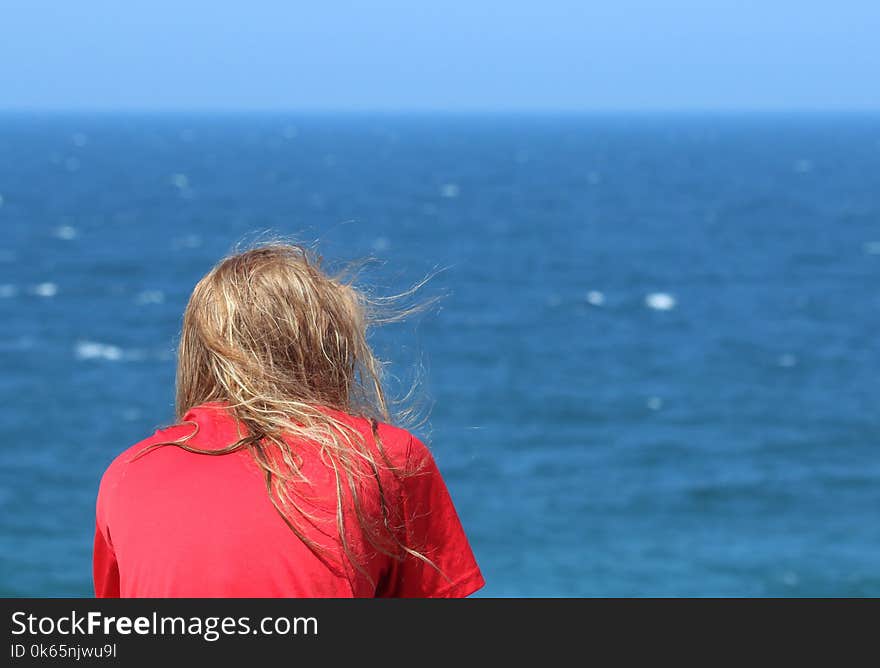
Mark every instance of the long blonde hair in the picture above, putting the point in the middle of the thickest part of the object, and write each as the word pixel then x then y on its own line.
pixel 278 341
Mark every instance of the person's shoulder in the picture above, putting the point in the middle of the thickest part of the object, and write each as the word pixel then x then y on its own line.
pixel 116 469
pixel 114 474
pixel 406 450
pixel 401 446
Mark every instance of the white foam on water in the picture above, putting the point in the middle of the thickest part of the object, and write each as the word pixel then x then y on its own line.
pixel 654 403
pixel 871 247
pixel 45 289
pixel 8 290
pixel 802 166
pixel 93 350
pixel 150 297
pixel 450 190
pixel 787 360
pixel 66 232
pixel 595 298
pixel 660 301
pixel 182 183
pixel 79 139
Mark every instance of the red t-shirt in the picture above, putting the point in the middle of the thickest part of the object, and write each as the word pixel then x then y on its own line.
pixel 178 524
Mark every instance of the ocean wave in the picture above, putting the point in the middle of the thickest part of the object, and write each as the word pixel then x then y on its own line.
pixel 93 350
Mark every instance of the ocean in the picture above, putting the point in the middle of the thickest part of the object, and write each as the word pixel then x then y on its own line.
pixel 653 368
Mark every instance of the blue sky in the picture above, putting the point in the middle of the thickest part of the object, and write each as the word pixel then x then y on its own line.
pixel 452 55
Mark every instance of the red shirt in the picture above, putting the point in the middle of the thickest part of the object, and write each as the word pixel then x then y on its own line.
pixel 178 524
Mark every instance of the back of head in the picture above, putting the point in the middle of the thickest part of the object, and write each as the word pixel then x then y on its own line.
pixel 277 340
pixel 267 329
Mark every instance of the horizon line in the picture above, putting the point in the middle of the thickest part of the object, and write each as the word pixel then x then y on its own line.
pixel 496 111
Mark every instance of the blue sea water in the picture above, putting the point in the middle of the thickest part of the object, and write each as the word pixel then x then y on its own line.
pixel 653 371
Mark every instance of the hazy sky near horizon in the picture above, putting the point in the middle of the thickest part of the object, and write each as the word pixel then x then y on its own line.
pixel 455 55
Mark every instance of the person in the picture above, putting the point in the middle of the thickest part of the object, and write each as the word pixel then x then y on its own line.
pixel 283 475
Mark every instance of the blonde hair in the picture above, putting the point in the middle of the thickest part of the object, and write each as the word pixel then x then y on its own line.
pixel 278 341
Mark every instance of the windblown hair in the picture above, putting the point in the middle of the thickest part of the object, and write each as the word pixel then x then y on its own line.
pixel 278 341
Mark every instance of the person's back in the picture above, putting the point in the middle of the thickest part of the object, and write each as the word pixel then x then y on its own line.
pixel 243 498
